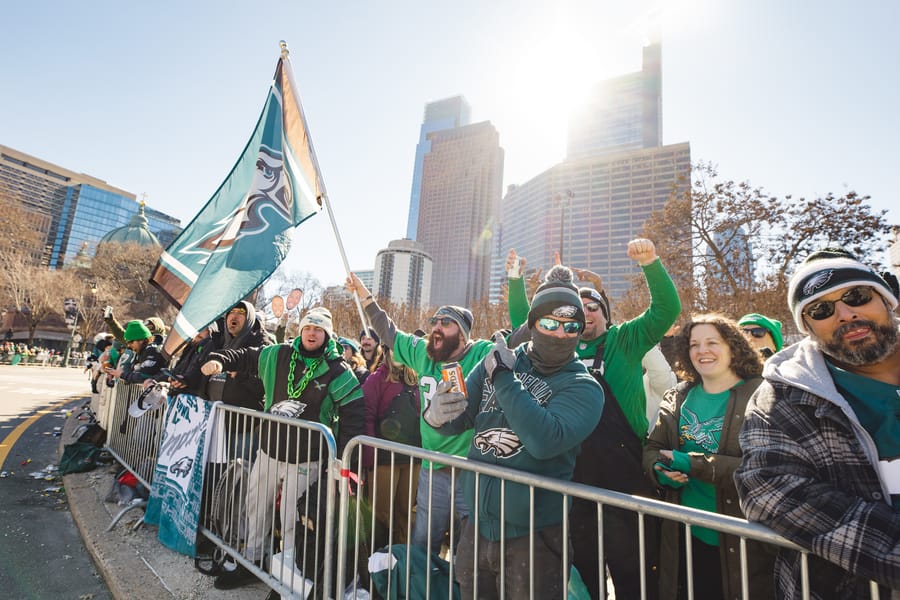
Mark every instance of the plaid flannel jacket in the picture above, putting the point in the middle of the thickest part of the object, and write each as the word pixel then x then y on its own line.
pixel 808 474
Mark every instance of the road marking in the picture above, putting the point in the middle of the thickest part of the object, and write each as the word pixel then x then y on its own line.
pixel 10 440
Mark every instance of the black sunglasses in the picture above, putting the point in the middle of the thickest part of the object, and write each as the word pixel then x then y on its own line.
pixel 552 325
pixel 444 321
pixel 592 306
pixel 857 296
pixel 757 332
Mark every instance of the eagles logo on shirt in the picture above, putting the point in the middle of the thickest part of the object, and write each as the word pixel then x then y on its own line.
pixel 289 408
pixel 504 443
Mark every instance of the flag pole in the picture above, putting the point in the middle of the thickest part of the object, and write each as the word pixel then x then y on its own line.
pixel 323 196
pixel 337 236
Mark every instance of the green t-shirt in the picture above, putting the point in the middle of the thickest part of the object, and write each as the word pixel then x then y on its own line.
pixel 699 430
pixel 877 406
pixel 410 351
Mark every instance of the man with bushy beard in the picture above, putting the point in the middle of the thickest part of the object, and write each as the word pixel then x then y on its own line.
pixel 448 342
pixel 531 409
pixel 821 437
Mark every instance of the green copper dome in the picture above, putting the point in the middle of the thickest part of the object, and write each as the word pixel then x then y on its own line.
pixel 136 232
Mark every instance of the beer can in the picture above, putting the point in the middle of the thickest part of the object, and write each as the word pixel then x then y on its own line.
pixel 516 271
pixel 453 373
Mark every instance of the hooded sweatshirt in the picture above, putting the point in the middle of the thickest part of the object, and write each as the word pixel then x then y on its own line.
pixel 243 389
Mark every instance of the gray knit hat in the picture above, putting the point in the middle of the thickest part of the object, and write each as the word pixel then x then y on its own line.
pixel 462 316
pixel 557 296
pixel 826 271
pixel 318 316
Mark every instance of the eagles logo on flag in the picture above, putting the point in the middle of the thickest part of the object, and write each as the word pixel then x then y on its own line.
pixel 242 234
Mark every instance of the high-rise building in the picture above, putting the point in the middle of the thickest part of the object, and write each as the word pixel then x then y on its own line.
pixel 403 274
pixel 588 210
pixel 367 277
pixel 623 113
pixel 462 180
pixel 737 253
pixel 616 173
pixel 76 210
pixel 441 114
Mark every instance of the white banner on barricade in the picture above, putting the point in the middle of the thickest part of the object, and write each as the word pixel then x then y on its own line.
pixel 175 497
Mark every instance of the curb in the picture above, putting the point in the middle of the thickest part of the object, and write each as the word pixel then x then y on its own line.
pixel 134 564
pixel 109 552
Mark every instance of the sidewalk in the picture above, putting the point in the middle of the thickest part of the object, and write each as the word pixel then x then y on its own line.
pixel 134 564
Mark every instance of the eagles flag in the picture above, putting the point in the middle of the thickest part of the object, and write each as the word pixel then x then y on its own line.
pixel 243 232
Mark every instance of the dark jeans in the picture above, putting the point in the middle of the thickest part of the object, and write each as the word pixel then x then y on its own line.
pixel 621 549
pixel 547 571
pixel 707 571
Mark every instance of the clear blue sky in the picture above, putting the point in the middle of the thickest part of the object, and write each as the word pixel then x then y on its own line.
pixel 159 98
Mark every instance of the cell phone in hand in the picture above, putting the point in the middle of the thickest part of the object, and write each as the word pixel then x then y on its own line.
pixel 170 374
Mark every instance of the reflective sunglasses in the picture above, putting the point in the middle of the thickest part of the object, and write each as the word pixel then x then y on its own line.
pixel 444 321
pixel 757 332
pixel 240 311
pixel 857 296
pixel 592 306
pixel 552 325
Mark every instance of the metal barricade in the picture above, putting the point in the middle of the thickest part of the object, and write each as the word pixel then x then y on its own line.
pixel 270 498
pixel 349 541
pixel 134 442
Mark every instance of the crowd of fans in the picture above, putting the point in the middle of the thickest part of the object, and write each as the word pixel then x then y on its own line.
pixel 24 354
pixel 564 393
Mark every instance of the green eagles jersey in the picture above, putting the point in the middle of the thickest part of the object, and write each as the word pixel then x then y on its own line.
pixel 410 351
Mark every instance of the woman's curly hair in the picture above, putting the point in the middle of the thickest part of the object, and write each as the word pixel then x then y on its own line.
pixel 745 361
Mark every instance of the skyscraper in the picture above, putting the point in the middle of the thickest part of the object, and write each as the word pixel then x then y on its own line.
pixel 403 274
pixel 462 179
pixel 588 210
pixel 616 173
pixel 74 208
pixel 441 114
pixel 623 113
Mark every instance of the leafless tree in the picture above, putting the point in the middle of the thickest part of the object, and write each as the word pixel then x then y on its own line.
pixel 731 247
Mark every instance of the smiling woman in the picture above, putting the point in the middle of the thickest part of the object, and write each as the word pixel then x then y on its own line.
pixel 693 452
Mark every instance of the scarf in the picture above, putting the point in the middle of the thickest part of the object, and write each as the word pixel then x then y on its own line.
pixel 549 353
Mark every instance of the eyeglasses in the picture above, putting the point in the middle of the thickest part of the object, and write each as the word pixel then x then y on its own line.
pixel 552 325
pixel 857 296
pixel 240 311
pixel 592 306
pixel 757 332
pixel 444 321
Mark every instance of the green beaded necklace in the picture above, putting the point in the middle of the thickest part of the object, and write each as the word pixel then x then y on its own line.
pixel 295 392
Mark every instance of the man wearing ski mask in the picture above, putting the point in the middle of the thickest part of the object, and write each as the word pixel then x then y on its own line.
pixel 531 408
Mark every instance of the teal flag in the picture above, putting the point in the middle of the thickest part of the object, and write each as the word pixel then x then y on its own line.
pixel 243 232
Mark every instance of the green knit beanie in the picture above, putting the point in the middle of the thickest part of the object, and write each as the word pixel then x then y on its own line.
pixel 773 326
pixel 136 330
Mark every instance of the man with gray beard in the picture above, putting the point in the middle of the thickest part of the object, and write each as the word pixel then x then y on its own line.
pixel 821 437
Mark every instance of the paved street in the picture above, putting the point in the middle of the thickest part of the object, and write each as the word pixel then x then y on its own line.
pixel 41 552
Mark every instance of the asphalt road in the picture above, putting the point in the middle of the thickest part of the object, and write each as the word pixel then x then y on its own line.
pixel 41 551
